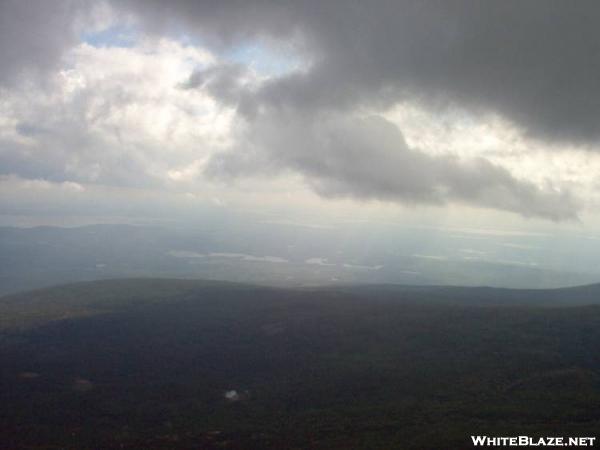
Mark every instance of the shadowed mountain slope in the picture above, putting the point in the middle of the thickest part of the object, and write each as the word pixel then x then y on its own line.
pixel 157 363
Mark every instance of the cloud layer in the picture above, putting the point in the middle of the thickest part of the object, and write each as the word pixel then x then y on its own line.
pixel 124 116
pixel 367 158
pixel 534 62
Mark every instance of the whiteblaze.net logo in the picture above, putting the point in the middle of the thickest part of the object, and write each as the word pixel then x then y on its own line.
pixel 527 441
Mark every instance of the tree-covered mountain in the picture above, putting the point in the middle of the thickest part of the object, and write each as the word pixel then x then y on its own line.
pixel 158 363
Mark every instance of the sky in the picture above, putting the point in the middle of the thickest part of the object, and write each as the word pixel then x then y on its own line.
pixel 427 113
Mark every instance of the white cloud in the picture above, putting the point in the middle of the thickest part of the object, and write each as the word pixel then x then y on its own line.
pixel 115 116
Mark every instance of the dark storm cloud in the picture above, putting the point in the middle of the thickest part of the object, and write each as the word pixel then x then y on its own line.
pixel 487 58
pixel 534 62
pixel 223 81
pixel 369 159
pixel 34 35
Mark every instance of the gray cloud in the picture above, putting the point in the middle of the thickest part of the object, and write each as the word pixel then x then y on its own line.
pixel 368 159
pixel 227 82
pixel 35 34
pixel 534 62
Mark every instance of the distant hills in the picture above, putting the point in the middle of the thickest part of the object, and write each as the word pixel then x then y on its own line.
pixel 287 255
pixel 95 297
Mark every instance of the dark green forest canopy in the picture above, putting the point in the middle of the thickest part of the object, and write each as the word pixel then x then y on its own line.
pixel 148 362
